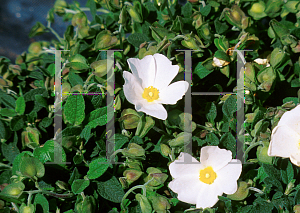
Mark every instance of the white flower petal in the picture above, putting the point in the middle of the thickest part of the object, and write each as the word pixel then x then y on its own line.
pixel 215 157
pixel 261 61
pixel 154 109
pixel 208 196
pixel 132 89
pixel 218 62
pixel 284 142
pixel 227 176
pixel 173 93
pixel 291 119
pixel 295 159
pixel 143 69
pixel 185 165
pixel 165 71
pixel 187 188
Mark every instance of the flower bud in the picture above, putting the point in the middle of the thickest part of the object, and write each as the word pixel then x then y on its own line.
pixel 147 51
pixel 164 44
pixel 235 16
pixel 280 29
pixel 35 47
pixel 134 150
pixel 180 139
pixel 123 17
pixel 30 137
pixel 165 149
pixel 296 208
pixel 77 88
pixel 66 87
pixel 123 182
pixel 88 205
pixel 273 8
pixel 104 40
pixel 83 32
pixel 31 167
pixel 79 19
pixel 16 69
pixel 14 189
pixel 197 20
pixel 19 60
pixel 59 7
pixel 192 42
pixel 266 75
pixel 100 67
pixel 135 12
pixel 257 10
pixel 262 154
pixel 26 209
pixel 160 204
pixel 241 193
pixel 129 119
pixel 292 6
pixel 205 31
pixel 158 177
pixel 144 203
pixel 132 175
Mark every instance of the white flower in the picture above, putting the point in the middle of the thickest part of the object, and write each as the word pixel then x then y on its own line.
pixel 219 62
pixel 148 85
pixel 202 183
pixel 285 138
pixel 262 61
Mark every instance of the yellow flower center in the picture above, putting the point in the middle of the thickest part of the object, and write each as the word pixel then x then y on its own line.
pixel 151 94
pixel 207 175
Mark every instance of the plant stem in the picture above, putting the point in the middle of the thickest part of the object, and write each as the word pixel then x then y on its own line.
pixel 54 32
pixel 253 144
pixel 88 79
pixel 143 187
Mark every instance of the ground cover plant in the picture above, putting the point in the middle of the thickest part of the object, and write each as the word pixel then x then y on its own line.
pixel 148 90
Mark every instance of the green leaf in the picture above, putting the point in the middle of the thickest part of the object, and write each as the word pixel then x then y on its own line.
pixel 74 176
pixel 86 133
pixel 201 71
pixel 136 39
pixel 229 142
pixel 46 153
pixel 295 82
pixel 7 100
pixel 75 79
pixel 74 109
pixel 41 101
pixel 41 203
pixel 297 197
pixel 144 126
pixel 220 27
pixel 30 96
pixel 17 161
pixel 7 112
pixel 79 185
pixel 212 139
pixel 37 29
pixel 290 172
pixel 10 151
pixel 97 168
pixel 229 107
pixel 46 122
pixel 111 190
pixel 205 10
pixel 93 8
pixel 3 132
pixel 288 99
pixel 99 117
pixel 20 105
pixel 212 113
pixel 186 10
pixel 120 140
pixel 17 123
pixel 271 171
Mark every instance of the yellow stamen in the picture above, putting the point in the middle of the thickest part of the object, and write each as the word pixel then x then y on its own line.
pixel 207 175
pixel 151 94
